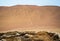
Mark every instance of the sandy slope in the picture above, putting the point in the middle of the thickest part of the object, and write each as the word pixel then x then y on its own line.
pixel 30 18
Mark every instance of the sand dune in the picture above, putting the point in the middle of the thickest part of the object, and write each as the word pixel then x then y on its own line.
pixel 26 17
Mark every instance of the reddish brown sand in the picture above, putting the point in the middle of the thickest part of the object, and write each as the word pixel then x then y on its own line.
pixel 32 18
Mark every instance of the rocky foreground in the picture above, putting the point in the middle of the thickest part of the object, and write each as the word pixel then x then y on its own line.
pixel 29 36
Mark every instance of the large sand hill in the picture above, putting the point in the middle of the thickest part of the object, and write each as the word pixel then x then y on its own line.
pixel 27 17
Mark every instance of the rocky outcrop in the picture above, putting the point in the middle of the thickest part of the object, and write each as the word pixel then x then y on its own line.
pixel 29 36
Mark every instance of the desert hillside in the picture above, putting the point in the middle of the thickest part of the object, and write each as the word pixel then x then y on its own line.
pixel 28 17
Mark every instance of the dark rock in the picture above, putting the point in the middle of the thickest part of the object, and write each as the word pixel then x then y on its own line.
pixel 29 36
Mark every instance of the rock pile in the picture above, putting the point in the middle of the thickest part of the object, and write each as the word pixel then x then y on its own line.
pixel 29 36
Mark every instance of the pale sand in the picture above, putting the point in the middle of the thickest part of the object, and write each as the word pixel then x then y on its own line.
pixel 30 18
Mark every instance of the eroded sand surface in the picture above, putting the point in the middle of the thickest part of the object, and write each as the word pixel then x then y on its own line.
pixel 34 18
